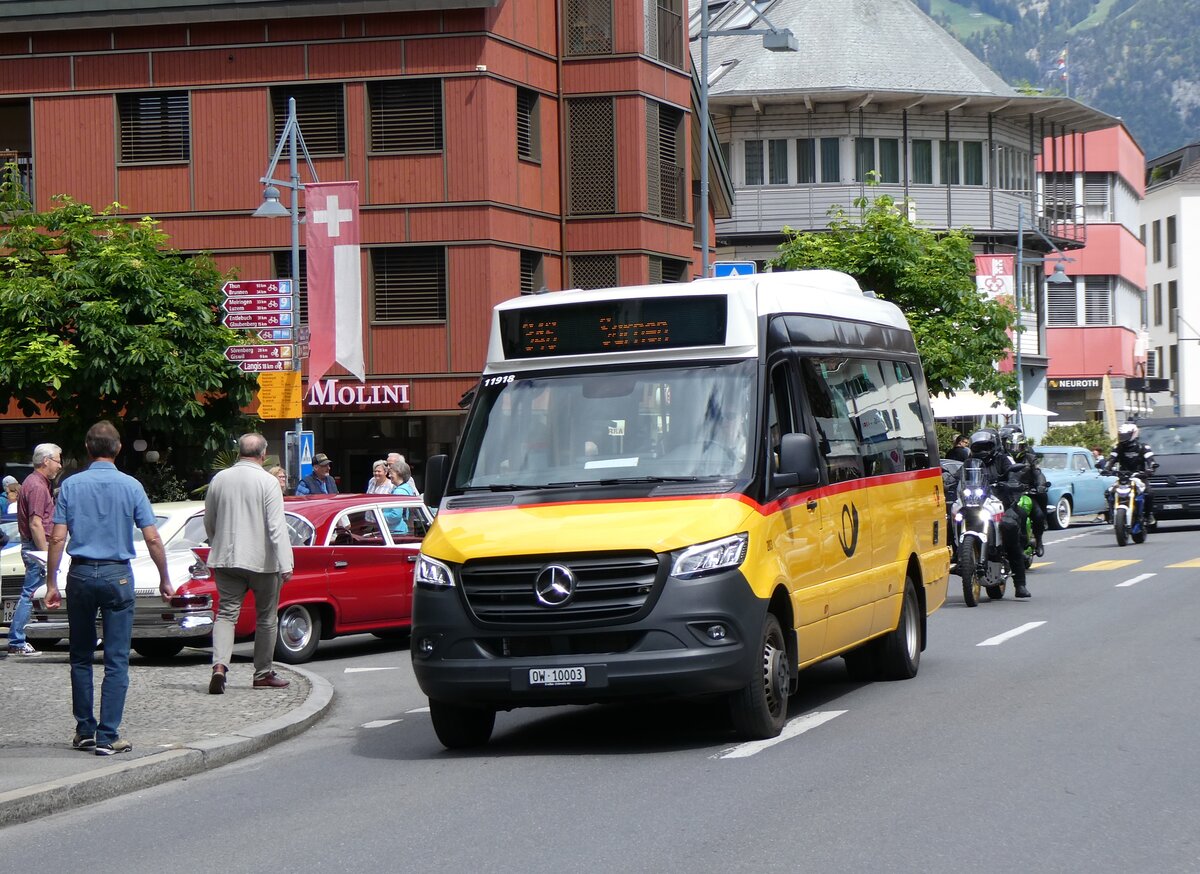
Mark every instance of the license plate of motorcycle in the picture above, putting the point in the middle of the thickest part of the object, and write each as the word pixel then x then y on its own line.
pixel 557 676
pixel 1172 506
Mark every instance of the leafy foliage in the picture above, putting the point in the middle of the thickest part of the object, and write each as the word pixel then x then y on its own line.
pixel 1080 434
pixel 102 321
pixel 930 276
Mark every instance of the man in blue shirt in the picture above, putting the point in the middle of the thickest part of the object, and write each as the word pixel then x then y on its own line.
pixel 99 508
pixel 319 482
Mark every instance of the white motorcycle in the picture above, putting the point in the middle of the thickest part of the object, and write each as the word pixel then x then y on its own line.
pixel 982 563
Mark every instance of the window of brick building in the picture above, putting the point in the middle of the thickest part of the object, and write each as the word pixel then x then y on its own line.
pixel 406 115
pixel 532 272
pixel 591 156
pixel 664 161
pixel 589 27
pixel 320 111
pixel 155 127
pixel 409 284
pixel 529 125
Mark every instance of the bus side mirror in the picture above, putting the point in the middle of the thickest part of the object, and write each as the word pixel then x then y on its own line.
pixel 798 462
pixel 437 472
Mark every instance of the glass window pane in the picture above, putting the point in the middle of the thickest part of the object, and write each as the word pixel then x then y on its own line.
pixel 949 161
pixel 754 162
pixel 864 157
pixel 922 159
pixel 831 163
pixel 777 151
pixel 889 160
pixel 806 160
pixel 972 163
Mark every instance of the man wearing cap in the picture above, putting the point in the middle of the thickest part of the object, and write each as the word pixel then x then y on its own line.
pixel 319 482
pixel 35 518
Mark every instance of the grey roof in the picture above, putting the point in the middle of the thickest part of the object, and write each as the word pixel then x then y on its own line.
pixel 882 52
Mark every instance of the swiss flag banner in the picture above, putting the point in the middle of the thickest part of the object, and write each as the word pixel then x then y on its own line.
pixel 332 238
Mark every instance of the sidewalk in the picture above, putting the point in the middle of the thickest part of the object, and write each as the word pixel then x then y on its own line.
pixel 176 727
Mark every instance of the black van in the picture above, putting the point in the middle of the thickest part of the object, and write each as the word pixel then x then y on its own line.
pixel 1176 483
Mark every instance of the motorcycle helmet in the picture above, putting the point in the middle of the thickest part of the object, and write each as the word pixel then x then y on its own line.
pixel 984 443
pixel 1127 433
pixel 1013 440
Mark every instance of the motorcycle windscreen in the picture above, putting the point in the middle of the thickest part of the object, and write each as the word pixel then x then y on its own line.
pixel 973 488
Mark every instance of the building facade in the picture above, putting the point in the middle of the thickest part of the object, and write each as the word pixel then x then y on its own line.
pixel 1096 325
pixel 1171 231
pixel 935 127
pixel 501 147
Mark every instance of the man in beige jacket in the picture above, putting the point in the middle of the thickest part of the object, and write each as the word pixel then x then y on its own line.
pixel 250 551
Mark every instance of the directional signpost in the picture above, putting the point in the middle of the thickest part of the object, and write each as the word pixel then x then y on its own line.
pixel 254 321
pixel 265 306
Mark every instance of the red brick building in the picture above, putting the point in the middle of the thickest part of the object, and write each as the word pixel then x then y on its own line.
pixel 501 146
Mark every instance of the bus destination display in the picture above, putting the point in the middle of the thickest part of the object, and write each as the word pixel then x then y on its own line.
pixel 619 326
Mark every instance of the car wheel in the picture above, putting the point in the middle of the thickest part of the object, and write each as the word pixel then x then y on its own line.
pixel 299 634
pixel 158 649
pixel 759 710
pixel 459 726
pixel 1060 516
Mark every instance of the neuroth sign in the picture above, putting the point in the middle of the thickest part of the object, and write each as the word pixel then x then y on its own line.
pixel 994 276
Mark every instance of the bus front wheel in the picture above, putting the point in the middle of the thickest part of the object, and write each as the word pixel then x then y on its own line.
pixel 759 709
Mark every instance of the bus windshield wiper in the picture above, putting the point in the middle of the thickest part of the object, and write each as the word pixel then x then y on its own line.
pixel 631 480
pixel 515 487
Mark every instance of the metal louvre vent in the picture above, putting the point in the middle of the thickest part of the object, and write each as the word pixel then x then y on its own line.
pixel 1061 305
pixel 320 112
pixel 531 272
pixel 154 127
pixel 283 270
pixel 589 27
pixel 594 271
pixel 409 284
pixel 1098 300
pixel 527 127
pixel 592 155
pixel 607 587
pixel 664 175
pixel 406 115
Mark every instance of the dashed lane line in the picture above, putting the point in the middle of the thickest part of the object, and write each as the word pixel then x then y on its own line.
pixel 380 723
pixel 793 728
pixel 367 670
pixel 1072 537
pixel 1133 582
pixel 1009 635
pixel 1112 564
pixel 418 710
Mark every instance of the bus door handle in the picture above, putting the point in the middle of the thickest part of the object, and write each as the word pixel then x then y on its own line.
pixel 811 504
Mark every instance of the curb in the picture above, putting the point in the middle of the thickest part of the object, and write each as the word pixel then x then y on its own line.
pixel 22 805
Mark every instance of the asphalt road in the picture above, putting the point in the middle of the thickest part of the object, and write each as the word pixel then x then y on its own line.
pixel 1049 735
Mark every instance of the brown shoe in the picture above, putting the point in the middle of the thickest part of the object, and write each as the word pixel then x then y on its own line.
pixel 216 686
pixel 270 680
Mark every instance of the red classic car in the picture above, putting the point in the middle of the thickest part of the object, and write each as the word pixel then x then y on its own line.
pixel 354 573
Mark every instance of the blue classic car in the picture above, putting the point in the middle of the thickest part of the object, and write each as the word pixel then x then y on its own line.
pixel 1076 485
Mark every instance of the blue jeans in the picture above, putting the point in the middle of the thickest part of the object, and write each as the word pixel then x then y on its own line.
pixel 108 589
pixel 35 575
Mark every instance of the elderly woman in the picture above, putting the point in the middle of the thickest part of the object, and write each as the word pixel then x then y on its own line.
pixel 381 483
pixel 400 475
pixel 281 475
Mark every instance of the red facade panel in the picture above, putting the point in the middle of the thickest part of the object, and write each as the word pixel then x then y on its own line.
pixel 473 105
pixel 154 190
pixel 1111 250
pixel 231 132
pixel 404 25
pixel 531 23
pixel 631 154
pixel 443 55
pixel 408 349
pixel 341 60
pixel 407 179
pixel 301 29
pixel 449 223
pixel 356 138
pixel 228 66
pixel 150 37
pixel 14 44
pixel 473 271
pixel 114 72
pixel 227 33
pixel 22 75
pixel 1082 351
pixel 74 148
pixel 601 76
pixel 67 40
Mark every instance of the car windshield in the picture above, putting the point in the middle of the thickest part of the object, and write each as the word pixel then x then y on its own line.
pixel 1052 460
pixel 578 428
pixel 1171 439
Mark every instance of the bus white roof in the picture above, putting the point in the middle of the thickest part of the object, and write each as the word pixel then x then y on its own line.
pixel 821 293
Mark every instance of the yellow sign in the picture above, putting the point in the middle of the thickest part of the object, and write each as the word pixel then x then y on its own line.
pixel 280 395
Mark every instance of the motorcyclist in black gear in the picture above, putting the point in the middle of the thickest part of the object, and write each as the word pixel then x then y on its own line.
pixel 1137 458
pixel 1029 479
pixel 986 449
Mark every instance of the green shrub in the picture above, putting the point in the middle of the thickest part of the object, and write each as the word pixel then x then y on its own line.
pixel 1086 434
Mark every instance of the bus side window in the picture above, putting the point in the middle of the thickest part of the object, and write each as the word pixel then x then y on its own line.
pixel 781 416
pixel 829 392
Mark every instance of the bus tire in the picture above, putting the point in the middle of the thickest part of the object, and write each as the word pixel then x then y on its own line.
pixel 900 648
pixel 459 726
pixel 759 709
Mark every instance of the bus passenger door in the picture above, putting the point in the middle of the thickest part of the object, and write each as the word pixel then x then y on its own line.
pixel 794 521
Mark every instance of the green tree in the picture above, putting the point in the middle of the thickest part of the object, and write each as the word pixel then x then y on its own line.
pixel 931 276
pixel 103 321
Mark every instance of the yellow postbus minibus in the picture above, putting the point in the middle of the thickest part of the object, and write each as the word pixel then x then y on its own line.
pixel 691 489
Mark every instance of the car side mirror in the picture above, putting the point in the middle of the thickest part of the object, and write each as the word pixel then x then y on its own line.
pixel 437 474
pixel 798 462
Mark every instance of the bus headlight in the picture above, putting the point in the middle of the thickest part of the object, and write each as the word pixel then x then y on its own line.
pixel 431 573
pixel 706 558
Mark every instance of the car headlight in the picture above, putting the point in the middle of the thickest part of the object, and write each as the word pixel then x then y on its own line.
pixel 706 558
pixel 432 573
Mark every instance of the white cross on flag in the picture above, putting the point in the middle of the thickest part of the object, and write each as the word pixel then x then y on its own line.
pixel 332 240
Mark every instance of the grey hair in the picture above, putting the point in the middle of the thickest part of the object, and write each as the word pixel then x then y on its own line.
pixel 252 445
pixel 45 450
pixel 377 464
pixel 403 471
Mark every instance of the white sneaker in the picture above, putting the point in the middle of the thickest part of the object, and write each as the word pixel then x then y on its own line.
pixel 24 649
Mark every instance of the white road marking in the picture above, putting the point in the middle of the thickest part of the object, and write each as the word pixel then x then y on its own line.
pixel 379 723
pixel 793 728
pixel 1009 635
pixel 1134 581
pixel 1072 537
pixel 419 710
pixel 364 670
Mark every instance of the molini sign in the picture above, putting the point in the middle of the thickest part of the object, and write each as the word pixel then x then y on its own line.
pixel 328 393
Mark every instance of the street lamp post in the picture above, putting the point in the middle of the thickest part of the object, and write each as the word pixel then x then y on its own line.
pixel 1059 277
pixel 774 40
pixel 272 208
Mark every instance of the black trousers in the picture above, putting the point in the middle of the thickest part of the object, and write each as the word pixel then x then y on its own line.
pixel 1012 524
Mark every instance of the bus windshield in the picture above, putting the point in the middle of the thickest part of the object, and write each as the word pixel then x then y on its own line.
pixel 589 427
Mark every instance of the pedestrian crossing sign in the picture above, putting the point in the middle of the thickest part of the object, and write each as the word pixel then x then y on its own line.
pixel 733 268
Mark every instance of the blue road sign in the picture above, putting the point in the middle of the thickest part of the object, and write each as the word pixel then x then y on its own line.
pixel 299 458
pixel 733 268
